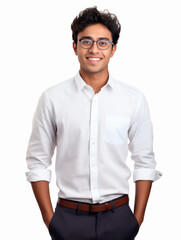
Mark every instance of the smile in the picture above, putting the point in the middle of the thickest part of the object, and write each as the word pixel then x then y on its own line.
pixel 94 60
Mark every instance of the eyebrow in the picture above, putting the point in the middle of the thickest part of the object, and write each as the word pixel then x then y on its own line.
pixel 100 38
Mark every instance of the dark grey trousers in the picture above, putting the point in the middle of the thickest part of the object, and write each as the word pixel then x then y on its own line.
pixel 117 224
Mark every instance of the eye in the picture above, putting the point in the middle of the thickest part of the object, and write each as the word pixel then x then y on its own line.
pixel 86 42
pixel 103 43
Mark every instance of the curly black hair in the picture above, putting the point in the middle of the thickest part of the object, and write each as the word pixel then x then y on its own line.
pixel 91 16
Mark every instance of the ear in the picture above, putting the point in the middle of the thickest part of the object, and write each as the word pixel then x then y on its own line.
pixel 75 48
pixel 113 50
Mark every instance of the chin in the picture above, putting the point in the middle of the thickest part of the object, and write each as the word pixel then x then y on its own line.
pixel 93 71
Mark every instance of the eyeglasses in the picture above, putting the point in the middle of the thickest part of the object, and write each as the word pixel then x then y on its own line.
pixel 102 44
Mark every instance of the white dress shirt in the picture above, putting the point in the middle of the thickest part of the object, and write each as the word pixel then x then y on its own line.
pixel 92 134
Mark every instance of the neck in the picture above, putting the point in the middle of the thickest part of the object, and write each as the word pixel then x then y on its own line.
pixel 95 80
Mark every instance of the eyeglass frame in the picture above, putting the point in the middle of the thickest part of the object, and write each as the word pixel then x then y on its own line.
pixel 96 43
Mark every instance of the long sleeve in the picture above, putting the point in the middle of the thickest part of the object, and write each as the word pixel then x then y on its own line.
pixel 42 142
pixel 141 144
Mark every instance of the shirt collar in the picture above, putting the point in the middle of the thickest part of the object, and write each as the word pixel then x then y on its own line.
pixel 81 83
pixel 110 82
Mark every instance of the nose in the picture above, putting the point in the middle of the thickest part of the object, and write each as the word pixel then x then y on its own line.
pixel 94 49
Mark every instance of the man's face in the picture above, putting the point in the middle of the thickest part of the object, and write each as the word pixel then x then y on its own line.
pixel 94 60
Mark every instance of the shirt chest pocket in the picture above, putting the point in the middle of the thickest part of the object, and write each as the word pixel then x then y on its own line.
pixel 116 129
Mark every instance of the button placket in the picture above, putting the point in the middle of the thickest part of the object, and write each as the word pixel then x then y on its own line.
pixel 93 148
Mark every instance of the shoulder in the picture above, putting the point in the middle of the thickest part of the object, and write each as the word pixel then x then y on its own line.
pixel 60 87
pixel 126 89
pixel 57 93
pixel 60 90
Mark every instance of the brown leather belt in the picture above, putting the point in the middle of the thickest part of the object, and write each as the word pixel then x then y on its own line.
pixel 93 207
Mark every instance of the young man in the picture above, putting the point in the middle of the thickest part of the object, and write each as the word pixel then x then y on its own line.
pixel 89 119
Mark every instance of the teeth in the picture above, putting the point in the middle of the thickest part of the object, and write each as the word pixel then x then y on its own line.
pixel 94 59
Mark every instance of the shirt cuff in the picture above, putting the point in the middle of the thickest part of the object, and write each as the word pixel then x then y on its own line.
pixel 38 175
pixel 146 174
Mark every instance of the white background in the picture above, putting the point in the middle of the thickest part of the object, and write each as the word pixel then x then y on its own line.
pixel 36 53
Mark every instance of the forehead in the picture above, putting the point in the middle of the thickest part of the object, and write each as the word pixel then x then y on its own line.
pixel 96 31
